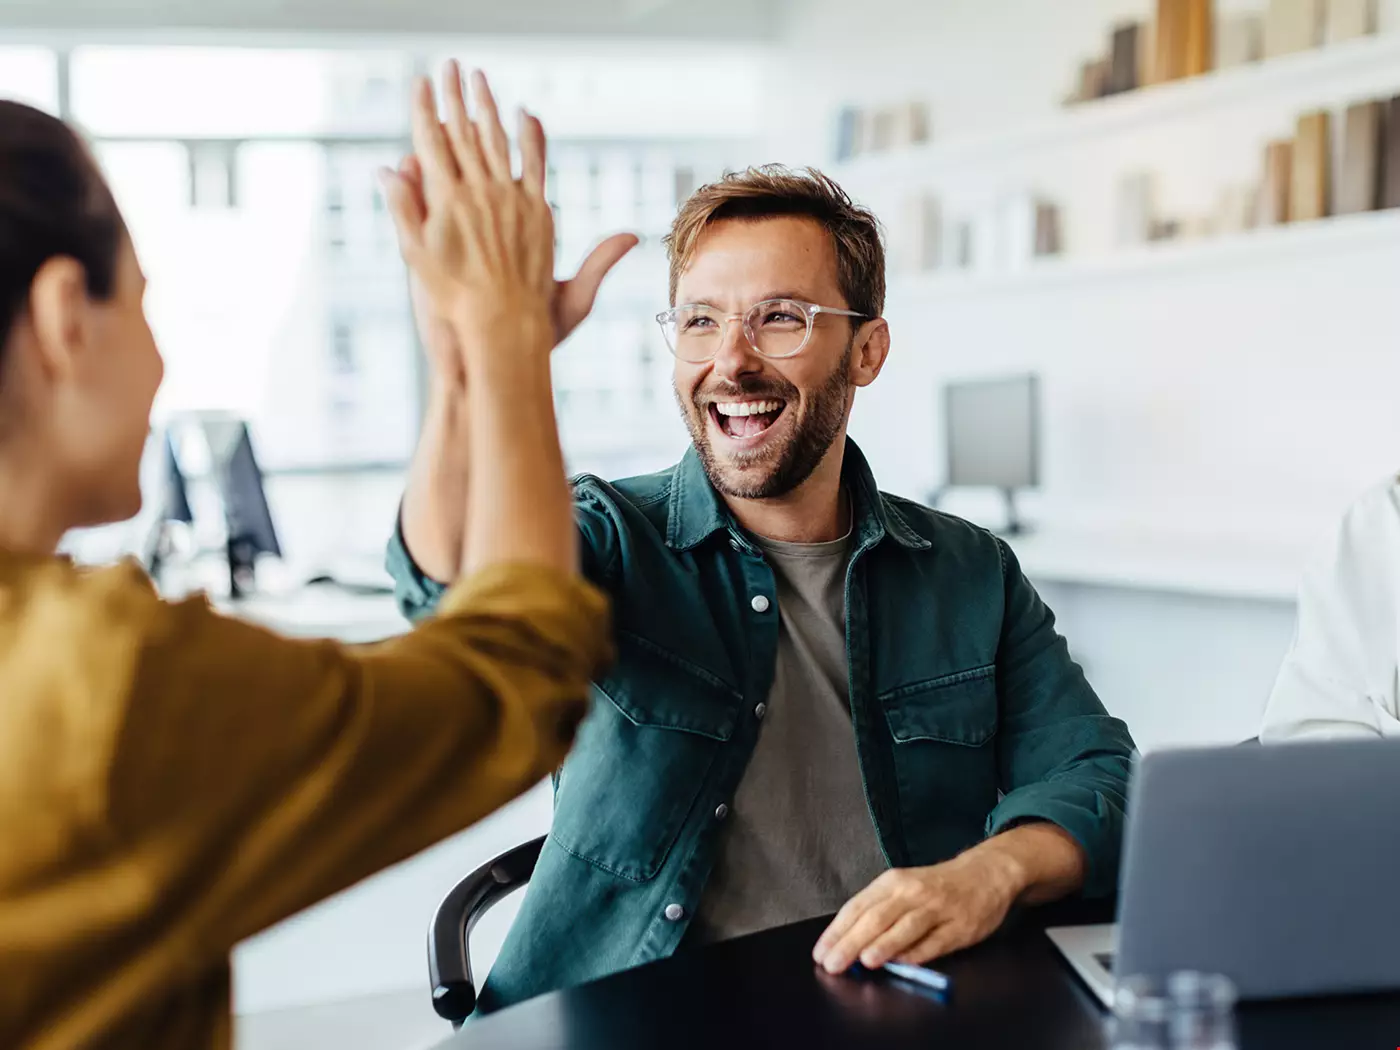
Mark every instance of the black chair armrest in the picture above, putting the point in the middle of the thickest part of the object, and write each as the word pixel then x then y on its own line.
pixel 449 957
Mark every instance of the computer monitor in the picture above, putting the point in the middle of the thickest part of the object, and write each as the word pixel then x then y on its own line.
pixel 247 517
pixel 171 501
pixel 992 429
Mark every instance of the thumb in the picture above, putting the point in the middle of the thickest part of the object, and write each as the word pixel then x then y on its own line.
pixel 405 209
pixel 576 296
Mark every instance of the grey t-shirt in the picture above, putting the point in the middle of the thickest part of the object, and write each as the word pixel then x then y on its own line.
pixel 799 840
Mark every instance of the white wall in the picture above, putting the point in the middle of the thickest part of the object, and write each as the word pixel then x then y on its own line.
pixel 1239 393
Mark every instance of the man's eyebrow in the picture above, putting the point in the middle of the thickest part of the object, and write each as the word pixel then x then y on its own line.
pixel 799 296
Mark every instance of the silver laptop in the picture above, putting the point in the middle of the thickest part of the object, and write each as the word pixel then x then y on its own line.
pixel 1276 866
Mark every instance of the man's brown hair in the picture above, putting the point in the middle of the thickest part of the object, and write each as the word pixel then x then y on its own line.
pixel 773 190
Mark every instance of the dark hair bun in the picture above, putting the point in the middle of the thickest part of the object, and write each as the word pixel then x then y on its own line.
pixel 53 201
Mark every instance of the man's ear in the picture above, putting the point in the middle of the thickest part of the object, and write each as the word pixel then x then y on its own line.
pixel 58 315
pixel 871 348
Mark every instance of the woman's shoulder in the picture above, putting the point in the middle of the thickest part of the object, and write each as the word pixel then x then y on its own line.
pixel 54 606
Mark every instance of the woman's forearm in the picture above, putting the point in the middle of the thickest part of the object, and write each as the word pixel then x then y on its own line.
pixel 520 508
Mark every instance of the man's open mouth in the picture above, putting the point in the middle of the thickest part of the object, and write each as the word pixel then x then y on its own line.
pixel 746 419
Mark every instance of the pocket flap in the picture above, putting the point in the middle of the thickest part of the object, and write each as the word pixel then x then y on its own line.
pixel 655 688
pixel 955 709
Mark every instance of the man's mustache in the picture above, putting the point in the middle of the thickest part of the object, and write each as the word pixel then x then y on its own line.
pixel 758 388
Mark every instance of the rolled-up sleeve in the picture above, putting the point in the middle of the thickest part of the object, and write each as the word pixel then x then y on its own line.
pixel 1062 758
pixel 417 594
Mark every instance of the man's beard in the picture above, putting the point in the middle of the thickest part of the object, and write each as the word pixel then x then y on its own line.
pixel 793 462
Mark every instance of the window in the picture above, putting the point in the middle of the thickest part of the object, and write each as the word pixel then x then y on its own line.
pixel 342 349
pixel 276 287
pixel 30 75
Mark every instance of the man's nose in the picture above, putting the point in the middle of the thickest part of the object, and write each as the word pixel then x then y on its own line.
pixel 735 356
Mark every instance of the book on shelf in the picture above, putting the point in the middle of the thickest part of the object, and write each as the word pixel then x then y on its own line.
pixel 1239 41
pixel 911 124
pixel 1349 19
pixel 920 243
pixel 847 120
pixel 1171 39
pixel 1238 209
pixel 883 124
pixel 1312 154
pixel 1275 194
pixel 1291 26
pixel 1147 54
pixel 1093 80
pixel 1123 60
pixel 1029 228
pixel 1390 182
pixel 1200 36
pixel 1359 182
pixel 1185 38
pixel 1049 234
pixel 1136 209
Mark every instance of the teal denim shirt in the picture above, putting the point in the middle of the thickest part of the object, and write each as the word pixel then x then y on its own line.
pixel 968 713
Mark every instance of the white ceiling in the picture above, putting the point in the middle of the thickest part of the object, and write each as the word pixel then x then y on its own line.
pixel 742 19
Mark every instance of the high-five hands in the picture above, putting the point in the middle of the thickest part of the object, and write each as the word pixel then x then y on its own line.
pixel 571 300
pixel 483 252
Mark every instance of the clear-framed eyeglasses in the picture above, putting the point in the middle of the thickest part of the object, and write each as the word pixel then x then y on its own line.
pixel 775 328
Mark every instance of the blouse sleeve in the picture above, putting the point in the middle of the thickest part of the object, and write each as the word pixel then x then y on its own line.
pixel 270 773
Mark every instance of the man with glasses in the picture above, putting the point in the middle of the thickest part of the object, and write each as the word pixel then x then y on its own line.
pixel 827 699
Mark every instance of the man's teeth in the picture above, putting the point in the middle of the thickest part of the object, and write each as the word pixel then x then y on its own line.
pixel 748 408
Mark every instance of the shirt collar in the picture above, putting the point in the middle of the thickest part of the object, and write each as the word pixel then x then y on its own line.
pixel 697 512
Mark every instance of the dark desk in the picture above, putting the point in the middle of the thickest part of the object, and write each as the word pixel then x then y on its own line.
pixel 1013 992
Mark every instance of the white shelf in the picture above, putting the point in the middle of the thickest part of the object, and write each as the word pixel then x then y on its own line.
pixel 1309 241
pixel 1319 69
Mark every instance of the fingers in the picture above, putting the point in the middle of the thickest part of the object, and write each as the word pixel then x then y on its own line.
pixel 532 153
pixel 871 923
pixel 410 169
pixel 909 930
pixel 430 142
pixel 461 131
pixel 495 145
pixel 940 941
pixel 410 174
pixel 576 297
pixel 405 208
pixel 851 911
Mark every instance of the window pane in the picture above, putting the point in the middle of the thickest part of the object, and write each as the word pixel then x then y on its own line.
pixel 602 89
pixel 215 92
pixel 256 312
pixel 30 74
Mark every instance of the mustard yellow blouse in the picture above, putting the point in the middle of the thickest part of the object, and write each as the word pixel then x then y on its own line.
pixel 173 781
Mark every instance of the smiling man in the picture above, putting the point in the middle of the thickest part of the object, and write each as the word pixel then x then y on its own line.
pixel 828 699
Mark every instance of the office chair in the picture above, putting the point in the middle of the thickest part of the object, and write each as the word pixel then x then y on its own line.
pixel 449 950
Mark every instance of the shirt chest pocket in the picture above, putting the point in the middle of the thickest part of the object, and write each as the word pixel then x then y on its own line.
pixel 641 759
pixel 945 759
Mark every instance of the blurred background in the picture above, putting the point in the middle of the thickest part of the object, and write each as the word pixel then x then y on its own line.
pixel 1144 276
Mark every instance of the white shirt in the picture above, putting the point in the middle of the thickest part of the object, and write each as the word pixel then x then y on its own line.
pixel 1339 679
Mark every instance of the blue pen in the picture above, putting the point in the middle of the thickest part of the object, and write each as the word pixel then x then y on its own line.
pixel 921 975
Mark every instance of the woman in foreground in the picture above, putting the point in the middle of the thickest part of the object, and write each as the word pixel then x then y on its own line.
pixel 171 781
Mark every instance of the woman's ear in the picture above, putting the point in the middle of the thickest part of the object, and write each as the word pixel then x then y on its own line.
pixel 58 315
pixel 872 347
